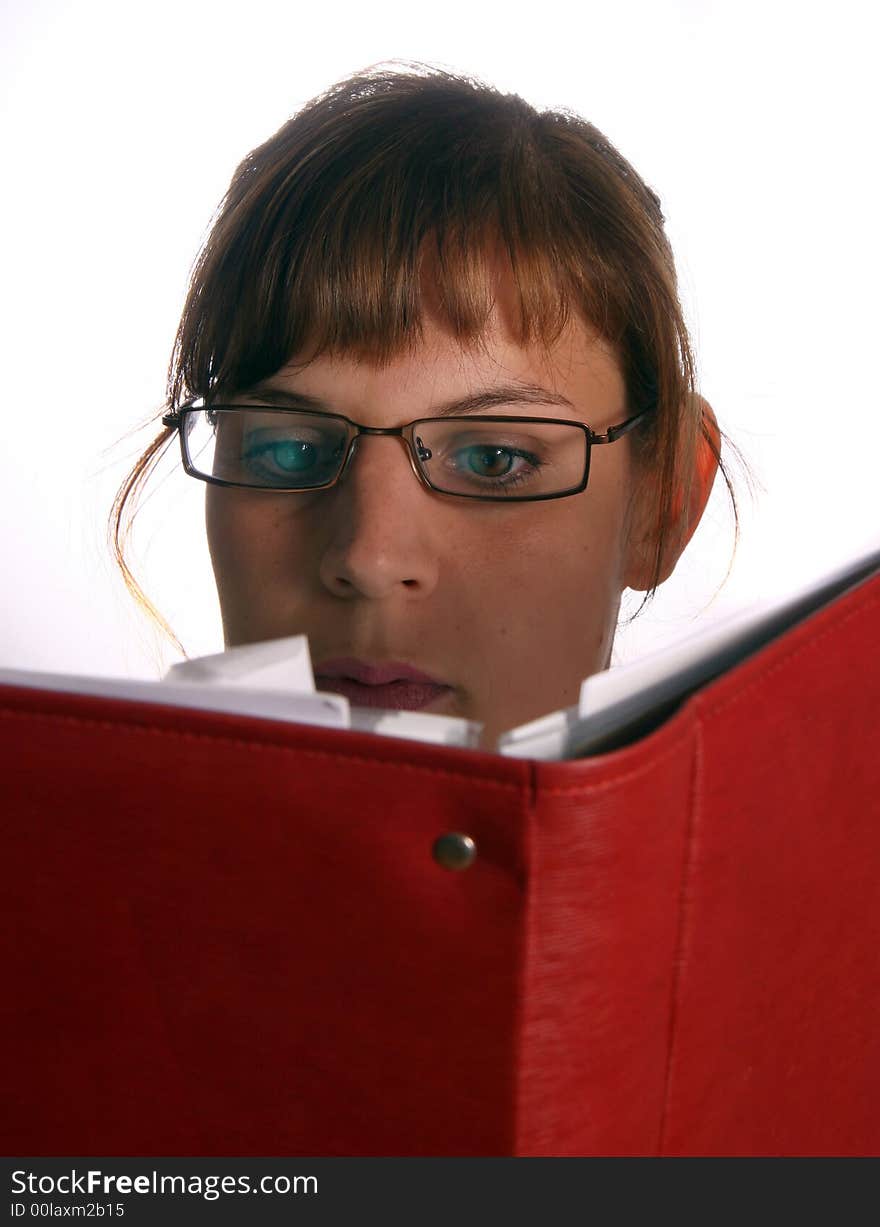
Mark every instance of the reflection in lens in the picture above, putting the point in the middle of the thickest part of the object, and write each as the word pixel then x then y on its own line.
pixel 265 448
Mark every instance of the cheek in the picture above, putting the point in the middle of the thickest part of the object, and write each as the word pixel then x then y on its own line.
pixel 562 553
pixel 228 529
pixel 537 612
pixel 251 538
pixel 564 591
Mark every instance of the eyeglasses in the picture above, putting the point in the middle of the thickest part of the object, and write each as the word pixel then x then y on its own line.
pixel 493 458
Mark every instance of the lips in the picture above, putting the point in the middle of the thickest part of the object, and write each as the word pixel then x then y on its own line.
pixel 391 684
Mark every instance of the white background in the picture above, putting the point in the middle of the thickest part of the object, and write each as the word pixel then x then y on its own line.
pixel 122 124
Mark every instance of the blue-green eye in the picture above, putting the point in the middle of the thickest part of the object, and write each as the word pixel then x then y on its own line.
pixel 489 461
pixel 291 460
pixel 291 455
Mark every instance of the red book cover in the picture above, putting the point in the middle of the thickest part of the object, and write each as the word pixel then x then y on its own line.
pixel 230 936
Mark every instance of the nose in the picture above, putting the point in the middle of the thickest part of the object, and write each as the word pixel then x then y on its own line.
pixel 383 526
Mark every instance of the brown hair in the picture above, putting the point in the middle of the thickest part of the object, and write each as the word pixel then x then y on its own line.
pixel 321 239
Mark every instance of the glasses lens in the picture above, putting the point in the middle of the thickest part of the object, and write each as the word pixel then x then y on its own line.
pixel 482 457
pixel 263 448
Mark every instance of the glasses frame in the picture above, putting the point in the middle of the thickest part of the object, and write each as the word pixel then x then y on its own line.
pixel 176 420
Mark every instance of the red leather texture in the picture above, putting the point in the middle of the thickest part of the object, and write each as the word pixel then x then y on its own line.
pixel 227 936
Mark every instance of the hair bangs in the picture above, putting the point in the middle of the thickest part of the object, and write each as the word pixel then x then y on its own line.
pixel 321 250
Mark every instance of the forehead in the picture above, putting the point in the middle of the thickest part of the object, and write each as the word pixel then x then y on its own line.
pixel 579 367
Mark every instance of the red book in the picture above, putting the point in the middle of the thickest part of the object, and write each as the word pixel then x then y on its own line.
pixel 230 936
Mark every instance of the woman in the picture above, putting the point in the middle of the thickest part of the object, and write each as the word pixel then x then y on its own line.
pixel 422 308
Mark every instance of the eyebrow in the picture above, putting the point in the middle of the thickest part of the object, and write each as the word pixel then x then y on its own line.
pixel 477 402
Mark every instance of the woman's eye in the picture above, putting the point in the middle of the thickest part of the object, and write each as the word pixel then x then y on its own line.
pixel 290 455
pixel 489 461
pixel 291 458
pixel 493 464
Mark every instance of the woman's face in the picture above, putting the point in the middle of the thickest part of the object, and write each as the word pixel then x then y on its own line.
pixel 510 605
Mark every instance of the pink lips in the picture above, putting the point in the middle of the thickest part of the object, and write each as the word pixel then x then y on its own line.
pixel 387 685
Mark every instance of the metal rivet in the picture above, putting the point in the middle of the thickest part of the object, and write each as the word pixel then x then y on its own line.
pixel 454 850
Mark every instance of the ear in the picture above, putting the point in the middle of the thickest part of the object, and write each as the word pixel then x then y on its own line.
pixel 642 543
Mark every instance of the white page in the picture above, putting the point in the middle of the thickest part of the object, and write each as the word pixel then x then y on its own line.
pixel 260 679
pixel 276 664
pixel 327 710
pixel 285 665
